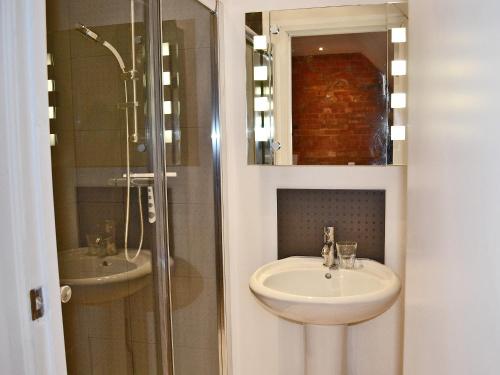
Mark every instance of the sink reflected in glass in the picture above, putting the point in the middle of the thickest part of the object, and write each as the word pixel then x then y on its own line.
pixel 101 279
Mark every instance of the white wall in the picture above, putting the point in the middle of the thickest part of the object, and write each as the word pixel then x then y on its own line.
pixel 453 279
pixel 261 343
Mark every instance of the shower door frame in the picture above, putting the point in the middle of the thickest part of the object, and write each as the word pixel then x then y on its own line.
pixel 216 30
pixel 157 162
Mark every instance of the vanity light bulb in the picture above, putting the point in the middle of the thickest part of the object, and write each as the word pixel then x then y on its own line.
pixel 398 35
pixel 262 134
pixel 51 85
pixel 398 133
pixel 398 67
pixel 52 113
pixel 50 59
pixel 398 100
pixel 261 104
pixel 260 73
pixel 167 136
pixel 53 139
pixel 260 42
pixel 166 78
pixel 167 107
pixel 165 49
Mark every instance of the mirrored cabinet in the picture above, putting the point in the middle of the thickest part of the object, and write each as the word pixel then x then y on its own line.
pixel 327 86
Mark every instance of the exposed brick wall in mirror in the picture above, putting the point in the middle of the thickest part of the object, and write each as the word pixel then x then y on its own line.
pixel 339 110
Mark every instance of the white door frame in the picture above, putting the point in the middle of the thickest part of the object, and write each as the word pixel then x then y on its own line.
pixel 27 228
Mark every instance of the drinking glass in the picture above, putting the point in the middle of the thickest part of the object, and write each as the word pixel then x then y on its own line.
pixel 110 231
pixel 98 244
pixel 94 243
pixel 346 251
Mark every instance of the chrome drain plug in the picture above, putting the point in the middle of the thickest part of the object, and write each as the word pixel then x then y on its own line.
pixel 328 275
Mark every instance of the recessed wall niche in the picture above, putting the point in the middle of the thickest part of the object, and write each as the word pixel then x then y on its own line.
pixel 358 215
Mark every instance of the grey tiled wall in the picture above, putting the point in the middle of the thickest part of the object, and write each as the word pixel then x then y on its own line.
pixel 358 215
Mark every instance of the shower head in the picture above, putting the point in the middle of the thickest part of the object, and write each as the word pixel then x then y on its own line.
pixel 96 38
pixel 89 33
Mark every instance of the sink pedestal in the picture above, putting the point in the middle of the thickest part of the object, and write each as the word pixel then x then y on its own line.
pixel 325 348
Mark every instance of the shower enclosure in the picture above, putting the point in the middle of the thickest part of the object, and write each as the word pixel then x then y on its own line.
pixel 132 88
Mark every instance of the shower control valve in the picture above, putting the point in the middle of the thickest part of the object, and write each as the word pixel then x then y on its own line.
pixel 151 205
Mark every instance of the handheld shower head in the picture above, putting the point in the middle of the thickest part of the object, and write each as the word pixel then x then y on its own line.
pixel 89 33
pixel 84 30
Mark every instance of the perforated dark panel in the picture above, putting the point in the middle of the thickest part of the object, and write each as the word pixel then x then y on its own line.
pixel 357 215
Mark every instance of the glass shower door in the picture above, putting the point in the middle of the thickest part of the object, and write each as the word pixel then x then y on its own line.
pixel 109 232
pixel 192 151
pixel 135 162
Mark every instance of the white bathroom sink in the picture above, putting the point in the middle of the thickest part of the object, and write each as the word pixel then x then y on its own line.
pixel 100 279
pixel 298 289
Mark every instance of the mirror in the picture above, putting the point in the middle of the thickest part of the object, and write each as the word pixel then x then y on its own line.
pixel 327 86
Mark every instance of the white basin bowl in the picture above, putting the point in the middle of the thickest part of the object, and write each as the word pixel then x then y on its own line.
pixel 101 279
pixel 298 289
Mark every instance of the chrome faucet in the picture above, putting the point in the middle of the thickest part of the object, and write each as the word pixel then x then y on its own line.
pixel 328 251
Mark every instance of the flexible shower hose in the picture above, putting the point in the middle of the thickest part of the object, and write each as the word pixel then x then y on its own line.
pixel 127 210
pixel 134 99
